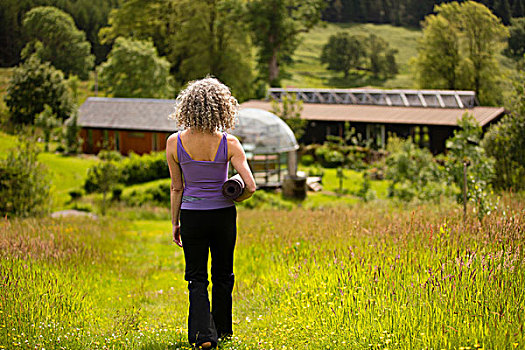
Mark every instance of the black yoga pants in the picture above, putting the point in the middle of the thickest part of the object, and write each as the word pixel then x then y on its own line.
pixel 204 231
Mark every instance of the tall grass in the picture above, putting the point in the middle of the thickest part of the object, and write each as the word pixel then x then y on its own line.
pixel 386 278
pixel 365 276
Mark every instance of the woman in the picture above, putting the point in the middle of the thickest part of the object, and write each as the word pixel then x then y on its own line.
pixel 200 154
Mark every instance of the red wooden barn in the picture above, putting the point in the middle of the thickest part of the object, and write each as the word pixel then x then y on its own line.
pixel 125 124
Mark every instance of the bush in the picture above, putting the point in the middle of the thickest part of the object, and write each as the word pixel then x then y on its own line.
pixel 75 194
pixel 463 147
pixel 116 193
pixel 329 157
pixel 505 141
pixel 414 173
pixel 307 160
pixel 24 183
pixel 158 194
pixel 82 207
pixel 148 167
pixel 132 170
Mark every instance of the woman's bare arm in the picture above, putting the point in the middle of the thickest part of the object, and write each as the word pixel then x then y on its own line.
pixel 176 187
pixel 239 162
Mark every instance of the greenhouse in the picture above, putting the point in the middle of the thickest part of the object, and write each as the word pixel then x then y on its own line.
pixel 270 146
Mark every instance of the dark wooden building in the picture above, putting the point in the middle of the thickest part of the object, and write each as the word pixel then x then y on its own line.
pixel 125 124
pixel 430 117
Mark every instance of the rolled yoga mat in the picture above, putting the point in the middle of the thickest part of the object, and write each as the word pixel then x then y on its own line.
pixel 233 187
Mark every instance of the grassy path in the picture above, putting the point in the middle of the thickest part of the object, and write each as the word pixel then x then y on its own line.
pixel 366 276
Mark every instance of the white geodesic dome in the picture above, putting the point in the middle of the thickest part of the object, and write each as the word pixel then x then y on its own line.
pixel 262 132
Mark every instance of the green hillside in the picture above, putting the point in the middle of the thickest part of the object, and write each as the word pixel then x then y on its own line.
pixel 307 70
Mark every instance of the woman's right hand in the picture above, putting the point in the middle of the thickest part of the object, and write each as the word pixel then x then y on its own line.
pixel 176 235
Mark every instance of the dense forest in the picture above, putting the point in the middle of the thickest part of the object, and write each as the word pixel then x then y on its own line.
pixel 91 15
pixel 406 12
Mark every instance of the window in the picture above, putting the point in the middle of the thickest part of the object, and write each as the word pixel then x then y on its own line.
pixel 154 142
pixel 421 136
pixel 376 133
pixel 117 140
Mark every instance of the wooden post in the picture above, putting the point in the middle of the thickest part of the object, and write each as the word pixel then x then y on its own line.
pixel 292 163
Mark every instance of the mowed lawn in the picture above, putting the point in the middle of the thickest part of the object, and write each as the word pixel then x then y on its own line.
pixel 367 276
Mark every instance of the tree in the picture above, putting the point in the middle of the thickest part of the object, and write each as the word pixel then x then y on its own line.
pixel 71 134
pixel 55 38
pixel 290 111
pixel 89 16
pixel 382 60
pixel 438 61
pixel 33 85
pixel 24 182
pixel 464 148
pixel 48 121
pixel 103 177
pixel 516 40
pixel 154 20
pixel 373 54
pixel 343 52
pixel 276 25
pixel 518 9
pixel 503 11
pixel 213 40
pixel 463 37
pixel 505 142
pixel 133 69
pixel 198 37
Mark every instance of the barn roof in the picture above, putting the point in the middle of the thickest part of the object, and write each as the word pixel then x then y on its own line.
pixel 387 114
pixel 151 114
pixel 127 113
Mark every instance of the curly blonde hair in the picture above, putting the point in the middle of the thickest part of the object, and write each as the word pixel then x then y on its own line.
pixel 206 105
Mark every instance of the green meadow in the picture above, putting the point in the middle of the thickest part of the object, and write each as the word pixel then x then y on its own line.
pixel 307 70
pixel 329 272
pixel 362 276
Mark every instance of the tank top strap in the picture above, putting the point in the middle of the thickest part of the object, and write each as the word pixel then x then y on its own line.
pixel 222 152
pixel 181 152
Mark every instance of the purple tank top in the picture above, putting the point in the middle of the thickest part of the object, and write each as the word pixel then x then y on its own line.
pixel 203 180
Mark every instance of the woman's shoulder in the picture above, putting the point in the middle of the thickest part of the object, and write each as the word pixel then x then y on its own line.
pixel 231 138
pixel 173 137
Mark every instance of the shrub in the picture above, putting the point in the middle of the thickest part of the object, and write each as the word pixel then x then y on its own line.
pixel 75 194
pixel 307 160
pixel 505 141
pixel 158 194
pixel 24 183
pixel 116 193
pixel 329 157
pixel 132 170
pixel 463 147
pixel 148 167
pixel 414 173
